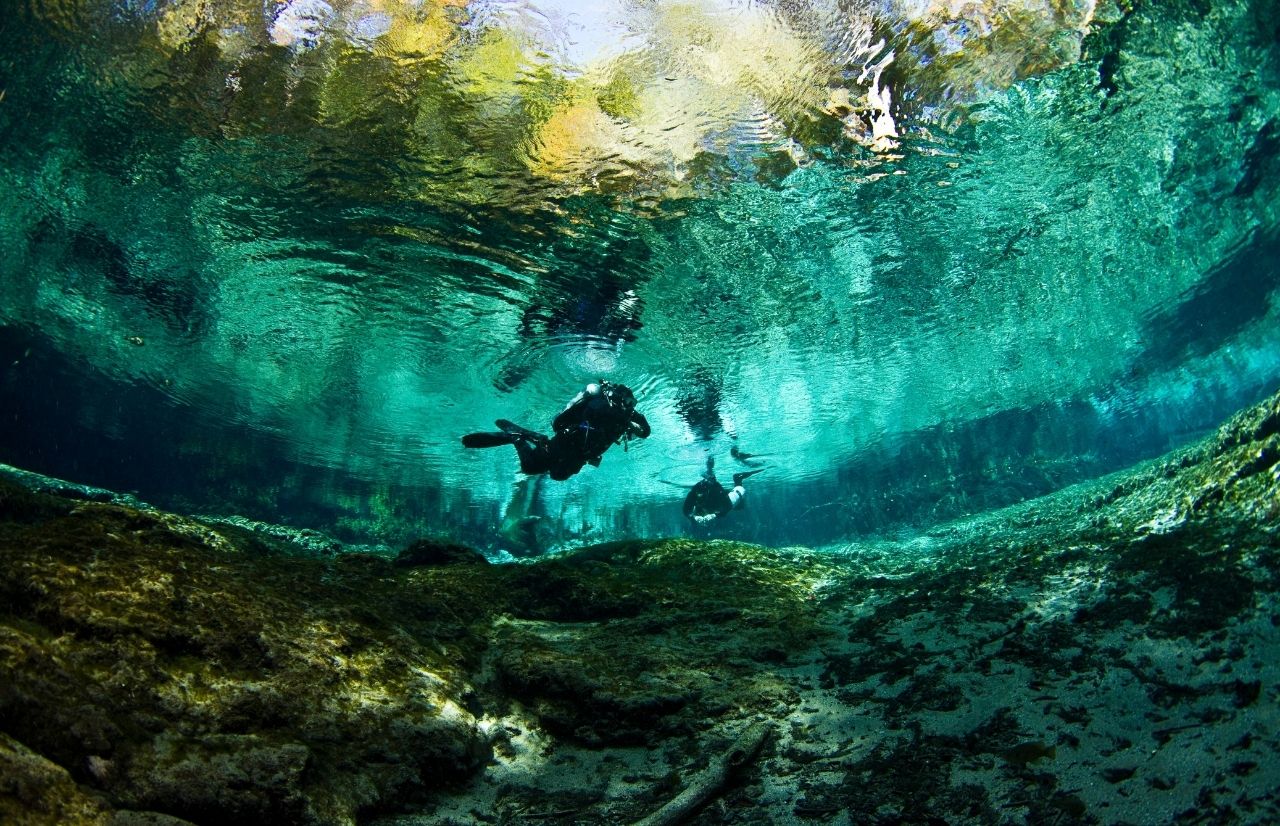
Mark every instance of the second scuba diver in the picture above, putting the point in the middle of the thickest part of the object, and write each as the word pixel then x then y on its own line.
pixel 709 500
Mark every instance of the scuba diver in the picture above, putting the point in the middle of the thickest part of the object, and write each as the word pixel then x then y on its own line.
pixel 709 500
pixel 601 415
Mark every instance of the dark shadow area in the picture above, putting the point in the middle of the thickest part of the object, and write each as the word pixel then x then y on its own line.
pixel 61 419
pixel 1233 296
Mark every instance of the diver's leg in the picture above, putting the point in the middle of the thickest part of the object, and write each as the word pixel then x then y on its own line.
pixel 735 495
pixel 563 467
pixel 487 439
pixel 534 458
pixel 516 430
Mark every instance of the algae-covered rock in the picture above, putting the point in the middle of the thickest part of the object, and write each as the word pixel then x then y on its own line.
pixel 1106 654
pixel 263 538
pixel 171 672
pixel 244 778
pixel 37 792
pixel 20 504
pixel 631 643
pixel 438 552
pixel 176 667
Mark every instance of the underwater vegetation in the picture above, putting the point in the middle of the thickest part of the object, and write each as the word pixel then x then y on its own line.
pixel 1105 654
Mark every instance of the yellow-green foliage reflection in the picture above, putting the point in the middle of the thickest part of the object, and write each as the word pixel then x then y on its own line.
pixel 482 107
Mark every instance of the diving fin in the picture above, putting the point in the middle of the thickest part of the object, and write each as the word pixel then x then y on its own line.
pixel 738 477
pixel 488 439
pixel 518 431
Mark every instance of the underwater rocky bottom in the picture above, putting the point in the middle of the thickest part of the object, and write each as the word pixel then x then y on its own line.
pixel 1108 654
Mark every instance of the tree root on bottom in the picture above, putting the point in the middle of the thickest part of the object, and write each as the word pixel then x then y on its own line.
pixel 711 780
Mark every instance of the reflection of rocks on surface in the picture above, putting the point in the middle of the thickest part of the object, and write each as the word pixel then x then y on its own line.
pixel 1107 654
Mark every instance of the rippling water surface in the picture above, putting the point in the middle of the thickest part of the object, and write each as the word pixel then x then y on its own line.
pixel 275 258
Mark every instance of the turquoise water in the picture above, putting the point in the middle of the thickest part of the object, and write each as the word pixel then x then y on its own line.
pixel 274 259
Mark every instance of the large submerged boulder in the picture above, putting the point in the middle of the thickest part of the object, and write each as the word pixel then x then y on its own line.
pixel 167 669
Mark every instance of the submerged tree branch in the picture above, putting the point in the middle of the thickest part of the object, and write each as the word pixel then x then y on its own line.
pixel 711 780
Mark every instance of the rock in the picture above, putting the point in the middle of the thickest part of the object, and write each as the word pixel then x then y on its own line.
pixel 263 538
pixel 183 676
pixel 179 671
pixel 20 504
pixel 127 817
pixel 230 778
pixel 37 792
pixel 427 552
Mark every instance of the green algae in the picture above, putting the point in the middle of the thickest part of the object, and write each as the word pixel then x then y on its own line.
pixel 167 655
pixel 187 668
pixel 165 647
pixel 35 790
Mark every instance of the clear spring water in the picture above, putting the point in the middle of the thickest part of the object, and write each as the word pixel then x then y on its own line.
pixel 275 258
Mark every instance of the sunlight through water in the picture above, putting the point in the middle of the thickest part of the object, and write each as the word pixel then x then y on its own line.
pixel 922 258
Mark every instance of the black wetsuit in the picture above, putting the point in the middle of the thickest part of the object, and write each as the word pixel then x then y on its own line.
pixel 583 432
pixel 707 498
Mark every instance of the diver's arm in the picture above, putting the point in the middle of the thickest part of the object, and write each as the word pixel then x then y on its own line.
pixel 639 426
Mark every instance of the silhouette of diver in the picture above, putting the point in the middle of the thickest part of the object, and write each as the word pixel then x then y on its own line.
pixel 599 416
pixel 709 500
